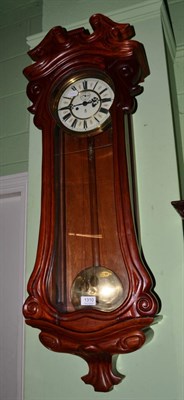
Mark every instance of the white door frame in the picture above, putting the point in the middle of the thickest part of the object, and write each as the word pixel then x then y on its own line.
pixel 13 186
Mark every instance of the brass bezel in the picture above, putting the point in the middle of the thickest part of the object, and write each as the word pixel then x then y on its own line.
pixel 66 82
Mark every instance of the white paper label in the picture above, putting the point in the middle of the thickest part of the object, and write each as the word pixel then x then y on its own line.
pixel 88 300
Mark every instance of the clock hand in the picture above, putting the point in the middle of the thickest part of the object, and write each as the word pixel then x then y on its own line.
pixel 94 102
pixel 84 103
pixel 69 107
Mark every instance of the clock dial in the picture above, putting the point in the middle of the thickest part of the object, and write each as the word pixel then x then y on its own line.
pixel 83 106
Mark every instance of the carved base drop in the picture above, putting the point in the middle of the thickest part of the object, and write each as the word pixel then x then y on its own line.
pixel 101 375
pixel 100 353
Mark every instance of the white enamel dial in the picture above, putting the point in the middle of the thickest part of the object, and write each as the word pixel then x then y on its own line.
pixel 84 104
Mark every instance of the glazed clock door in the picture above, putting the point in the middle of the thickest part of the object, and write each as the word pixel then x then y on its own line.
pixel 88 269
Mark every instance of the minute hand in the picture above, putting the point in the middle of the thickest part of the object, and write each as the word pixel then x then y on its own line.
pixel 69 107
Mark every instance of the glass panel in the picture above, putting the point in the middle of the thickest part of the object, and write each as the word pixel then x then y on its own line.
pixel 88 269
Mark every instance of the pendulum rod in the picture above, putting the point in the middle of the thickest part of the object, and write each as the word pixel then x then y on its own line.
pixel 61 280
pixel 93 202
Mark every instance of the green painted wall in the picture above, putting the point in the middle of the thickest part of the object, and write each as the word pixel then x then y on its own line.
pixel 176 70
pixel 179 76
pixel 156 371
pixel 15 25
pixel 175 74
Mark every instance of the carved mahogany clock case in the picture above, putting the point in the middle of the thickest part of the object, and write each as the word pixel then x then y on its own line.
pixel 90 292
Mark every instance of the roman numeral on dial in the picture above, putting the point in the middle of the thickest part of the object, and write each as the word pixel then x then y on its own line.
pixel 74 123
pixel 85 85
pixel 106 99
pixel 102 91
pixel 103 110
pixel 67 116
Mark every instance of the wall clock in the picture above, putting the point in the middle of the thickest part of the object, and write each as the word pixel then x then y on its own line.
pixel 90 292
